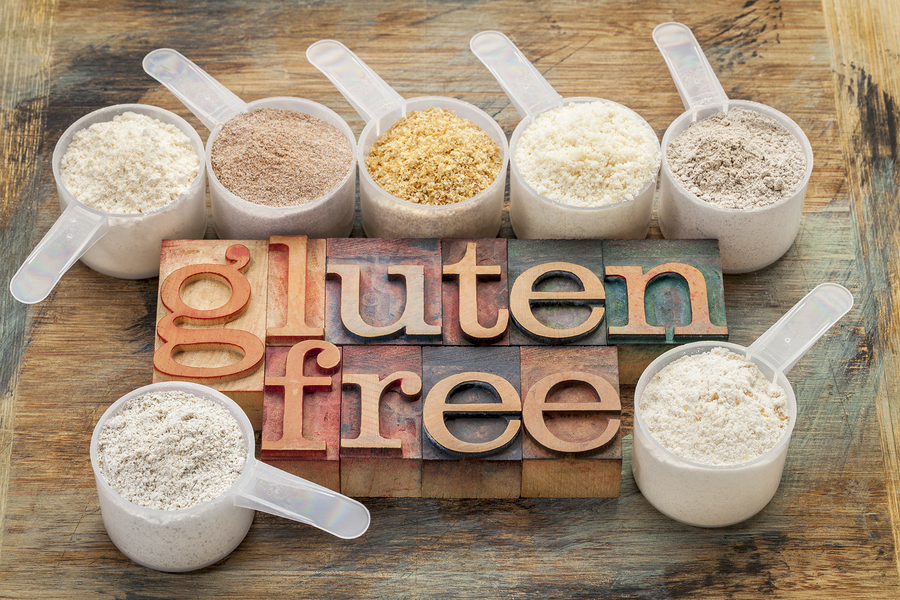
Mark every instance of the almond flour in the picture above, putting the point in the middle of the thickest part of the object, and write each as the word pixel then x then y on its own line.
pixel 714 408
pixel 132 164
pixel 171 450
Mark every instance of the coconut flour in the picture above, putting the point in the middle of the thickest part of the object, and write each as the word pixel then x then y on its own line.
pixel 588 154
pixel 714 408
pixel 171 450
pixel 739 159
pixel 132 164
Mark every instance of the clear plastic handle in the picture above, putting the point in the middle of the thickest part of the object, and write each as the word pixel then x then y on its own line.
pixel 524 85
pixel 209 100
pixel 359 84
pixel 792 335
pixel 276 492
pixel 696 82
pixel 73 234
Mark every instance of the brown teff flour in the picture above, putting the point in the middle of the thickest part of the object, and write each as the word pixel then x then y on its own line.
pixel 277 157
pixel 739 159
pixel 433 156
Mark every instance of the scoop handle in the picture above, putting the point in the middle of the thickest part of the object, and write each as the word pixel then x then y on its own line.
pixel 359 84
pixel 209 100
pixel 694 77
pixel 73 234
pixel 524 85
pixel 276 492
pixel 793 334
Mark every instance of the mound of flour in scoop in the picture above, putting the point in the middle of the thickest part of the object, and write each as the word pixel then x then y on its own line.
pixel 714 408
pixel 170 450
pixel 132 164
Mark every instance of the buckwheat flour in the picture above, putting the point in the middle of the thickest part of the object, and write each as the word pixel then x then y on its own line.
pixel 276 157
pixel 739 159
pixel 714 408
pixel 171 450
pixel 132 164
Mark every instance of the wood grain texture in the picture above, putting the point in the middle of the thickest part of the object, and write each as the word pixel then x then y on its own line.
pixel 828 532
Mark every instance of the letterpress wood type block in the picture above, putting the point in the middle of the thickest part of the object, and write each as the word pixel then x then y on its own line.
pixel 302 411
pixel 381 421
pixel 211 318
pixel 556 292
pixel 471 422
pixel 296 299
pixel 572 416
pixel 380 291
pixel 664 291
pixel 475 292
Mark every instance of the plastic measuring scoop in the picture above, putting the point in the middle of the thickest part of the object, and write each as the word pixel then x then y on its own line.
pixel 532 214
pixel 330 215
pixel 720 495
pixel 203 95
pixel 749 239
pixel 73 234
pixel 126 246
pixel 192 538
pixel 383 214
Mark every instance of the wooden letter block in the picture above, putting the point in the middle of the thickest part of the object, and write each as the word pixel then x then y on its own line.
pixel 557 294
pixel 296 301
pixel 381 421
pixel 572 416
pixel 472 447
pixel 383 291
pixel 302 411
pixel 211 318
pixel 475 294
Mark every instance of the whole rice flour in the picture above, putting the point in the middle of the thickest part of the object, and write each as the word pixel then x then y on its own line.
pixel 132 164
pixel 714 408
pixel 170 450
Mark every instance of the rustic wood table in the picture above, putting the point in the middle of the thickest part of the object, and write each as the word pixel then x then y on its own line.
pixel 831 530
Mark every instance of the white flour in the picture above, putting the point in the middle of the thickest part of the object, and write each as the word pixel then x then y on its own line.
pixel 171 450
pixel 714 408
pixel 132 164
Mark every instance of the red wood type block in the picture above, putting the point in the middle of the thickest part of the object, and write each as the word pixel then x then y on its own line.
pixel 381 291
pixel 381 421
pixel 302 411
pixel 296 300
pixel 211 318
pixel 475 293
pixel 472 442
pixel 572 415
pixel 556 292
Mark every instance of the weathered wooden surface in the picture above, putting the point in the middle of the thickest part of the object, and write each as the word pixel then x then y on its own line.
pixel 830 531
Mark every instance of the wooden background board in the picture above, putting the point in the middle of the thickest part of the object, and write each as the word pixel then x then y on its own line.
pixel 830 531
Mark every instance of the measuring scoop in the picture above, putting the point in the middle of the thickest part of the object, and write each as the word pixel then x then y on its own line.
pixel 383 214
pixel 126 246
pixel 192 538
pixel 749 239
pixel 531 214
pixel 235 218
pixel 713 495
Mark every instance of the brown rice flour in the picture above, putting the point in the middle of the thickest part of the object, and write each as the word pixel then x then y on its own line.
pixel 714 408
pixel 129 165
pixel 276 157
pixel 739 159
pixel 170 450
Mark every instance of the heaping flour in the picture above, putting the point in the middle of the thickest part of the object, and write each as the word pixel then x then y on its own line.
pixel 171 450
pixel 132 164
pixel 714 408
